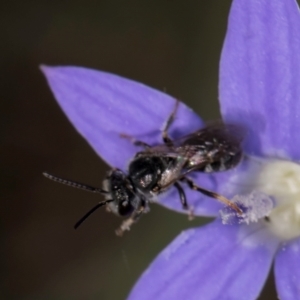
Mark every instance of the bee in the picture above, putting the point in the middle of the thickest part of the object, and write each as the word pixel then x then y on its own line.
pixel 152 171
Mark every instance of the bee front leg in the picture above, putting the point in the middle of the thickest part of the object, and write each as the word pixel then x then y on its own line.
pixel 126 225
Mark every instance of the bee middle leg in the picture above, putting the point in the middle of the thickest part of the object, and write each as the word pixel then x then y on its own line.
pixel 183 201
pixel 167 140
pixel 181 195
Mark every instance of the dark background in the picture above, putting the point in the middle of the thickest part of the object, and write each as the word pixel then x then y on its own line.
pixel 165 44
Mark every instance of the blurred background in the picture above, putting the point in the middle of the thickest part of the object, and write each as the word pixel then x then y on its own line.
pixel 168 45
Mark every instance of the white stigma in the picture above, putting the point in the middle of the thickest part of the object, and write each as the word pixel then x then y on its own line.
pixel 281 180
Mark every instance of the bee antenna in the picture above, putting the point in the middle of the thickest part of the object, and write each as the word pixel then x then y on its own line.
pixel 90 212
pixel 74 184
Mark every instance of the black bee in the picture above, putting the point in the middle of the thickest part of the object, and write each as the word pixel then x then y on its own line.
pixel 154 170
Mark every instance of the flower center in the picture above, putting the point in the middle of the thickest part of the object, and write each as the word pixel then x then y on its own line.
pixel 281 179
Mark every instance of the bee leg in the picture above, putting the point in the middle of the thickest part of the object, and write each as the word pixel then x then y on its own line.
pixel 191 215
pixel 126 225
pixel 183 201
pixel 181 195
pixel 167 140
pixel 211 194
pixel 134 141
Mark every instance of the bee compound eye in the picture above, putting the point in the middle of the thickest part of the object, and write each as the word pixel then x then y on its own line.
pixel 125 208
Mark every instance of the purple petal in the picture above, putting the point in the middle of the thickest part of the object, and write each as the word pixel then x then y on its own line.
pixel 101 106
pixel 211 262
pixel 287 271
pixel 260 73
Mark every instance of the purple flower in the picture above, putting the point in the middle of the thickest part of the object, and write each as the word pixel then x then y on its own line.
pixel 259 88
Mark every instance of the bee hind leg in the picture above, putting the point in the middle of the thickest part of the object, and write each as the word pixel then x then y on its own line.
pixel 134 141
pixel 211 194
pixel 167 140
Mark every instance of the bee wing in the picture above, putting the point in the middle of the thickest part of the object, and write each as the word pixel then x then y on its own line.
pixel 193 142
pixel 231 132
pixel 161 150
